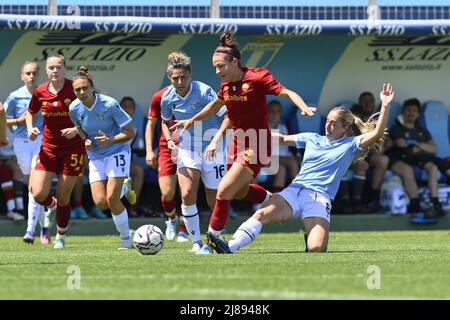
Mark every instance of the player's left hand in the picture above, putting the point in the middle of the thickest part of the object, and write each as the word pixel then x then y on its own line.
pixel 69 133
pixel 102 139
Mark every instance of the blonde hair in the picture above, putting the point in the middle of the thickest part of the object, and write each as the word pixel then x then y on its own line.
pixel 358 127
pixel 178 60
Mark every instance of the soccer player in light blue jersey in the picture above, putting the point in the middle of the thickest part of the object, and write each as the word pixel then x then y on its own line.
pixel 325 162
pixel 105 128
pixel 26 150
pixel 201 149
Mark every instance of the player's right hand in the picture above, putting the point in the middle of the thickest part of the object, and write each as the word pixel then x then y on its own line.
pixel 185 123
pixel 171 145
pixel 150 158
pixel 33 134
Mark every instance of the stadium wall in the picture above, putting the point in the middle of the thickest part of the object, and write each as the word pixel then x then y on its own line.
pixel 325 61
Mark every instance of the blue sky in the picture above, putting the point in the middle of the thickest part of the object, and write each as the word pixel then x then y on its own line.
pixel 234 2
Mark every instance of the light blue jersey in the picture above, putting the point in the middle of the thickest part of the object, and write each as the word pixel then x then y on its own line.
pixel 105 115
pixel 183 108
pixel 324 162
pixel 15 105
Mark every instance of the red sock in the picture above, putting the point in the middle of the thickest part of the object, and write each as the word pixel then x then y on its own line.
pixel 77 203
pixel 220 214
pixel 168 207
pixel 48 202
pixel 182 226
pixel 63 215
pixel 256 194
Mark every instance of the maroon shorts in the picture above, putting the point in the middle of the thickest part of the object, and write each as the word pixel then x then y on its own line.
pixel 166 166
pixel 69 163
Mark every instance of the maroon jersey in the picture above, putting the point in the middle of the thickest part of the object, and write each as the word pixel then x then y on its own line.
pixel 246 99
pixel 154 111
pixel 166 167
pixel 247 109
pixel 55 111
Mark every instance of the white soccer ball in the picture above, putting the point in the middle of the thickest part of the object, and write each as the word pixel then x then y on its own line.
pixel 148 239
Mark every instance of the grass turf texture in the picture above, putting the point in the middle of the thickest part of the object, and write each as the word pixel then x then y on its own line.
pixel 413 265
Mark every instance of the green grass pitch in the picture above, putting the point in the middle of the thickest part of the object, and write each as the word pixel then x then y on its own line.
pixel 409 265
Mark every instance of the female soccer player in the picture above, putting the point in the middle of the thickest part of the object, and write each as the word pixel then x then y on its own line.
pixel 16 106
pixel 183 100
pixel 105 128
pixel 167 169
pixel 325 162
pixel 61 150
pixel 243 90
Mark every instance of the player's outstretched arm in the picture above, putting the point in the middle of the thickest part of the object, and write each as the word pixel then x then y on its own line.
pixel 287 140
pixel 210 109
pixel 298 101
pixel 386 96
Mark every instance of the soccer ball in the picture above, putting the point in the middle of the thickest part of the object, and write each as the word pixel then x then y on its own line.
pixel 148 239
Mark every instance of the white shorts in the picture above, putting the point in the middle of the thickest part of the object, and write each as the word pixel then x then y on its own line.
pixel 25 150
pixel 212 172
pixel 307 203
pixel 116 165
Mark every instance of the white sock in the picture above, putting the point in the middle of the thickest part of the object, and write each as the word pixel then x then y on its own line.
pixel 34 212
pixel 192 222
pixel 124 190
pixel 42 217
pixel 19 203
pixel 214 232
pixel 121 222
pixel 246 233
pixel 11 205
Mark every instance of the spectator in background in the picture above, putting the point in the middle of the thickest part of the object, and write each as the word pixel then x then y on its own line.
pixel 287 162
pixel 137 145
pixel 413 146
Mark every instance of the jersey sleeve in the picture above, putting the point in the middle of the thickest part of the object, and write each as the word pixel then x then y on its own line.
pixel 119 115
pixel 221 111
pixel 10 106
pixel 300 139
pixel 154 111
pixel 209 95
pixel 270 84
pixel 34 106
pixel 166 112
pixel 73 117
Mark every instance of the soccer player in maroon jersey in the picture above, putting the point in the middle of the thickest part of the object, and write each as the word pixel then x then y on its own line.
pixel 62 149
pixel 167 169
pixel 243 90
